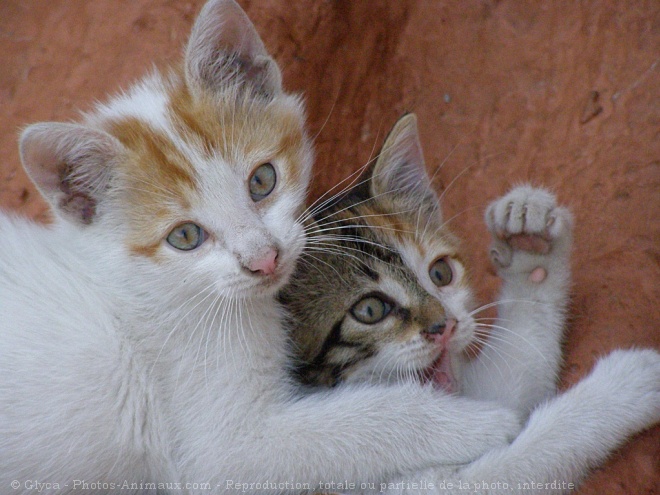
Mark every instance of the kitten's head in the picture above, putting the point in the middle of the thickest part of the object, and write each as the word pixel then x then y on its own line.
pixel 199 175
pixel 381 292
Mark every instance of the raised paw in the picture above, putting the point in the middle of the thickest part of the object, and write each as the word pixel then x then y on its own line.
pixel 530 231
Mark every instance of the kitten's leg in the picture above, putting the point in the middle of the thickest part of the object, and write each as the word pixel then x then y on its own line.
pixel 578 430
pixel 359 434
pixel 532 238
pixel 565 437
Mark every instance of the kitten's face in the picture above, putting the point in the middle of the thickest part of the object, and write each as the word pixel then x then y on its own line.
pixel 199 175
pixel 216 196
pixel 382 292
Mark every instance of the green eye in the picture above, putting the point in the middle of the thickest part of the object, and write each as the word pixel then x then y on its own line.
pixel 186 236
pixel 370 310
pixel 262 182
pixel 441 273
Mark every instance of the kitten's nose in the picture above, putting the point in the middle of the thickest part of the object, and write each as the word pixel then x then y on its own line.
pixel 264 264
pixel 440 331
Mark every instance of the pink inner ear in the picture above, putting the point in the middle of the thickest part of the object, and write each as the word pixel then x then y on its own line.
pixel 236 34
pixel 400 172
pixel 70 164
pixel 79 205
pixel 223 37
pixel 222 30
pixel 411 151
pixel 401 163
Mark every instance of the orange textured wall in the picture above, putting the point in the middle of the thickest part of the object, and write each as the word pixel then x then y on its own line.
pixel 562 94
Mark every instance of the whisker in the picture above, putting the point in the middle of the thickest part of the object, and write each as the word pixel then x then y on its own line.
pixel 332 268
pixel 322 224
pixel 431 179
pixel 522 338
pixel 498 352
pixel 312 210
pixel 181 319
pixel 333 239
pixel 504 301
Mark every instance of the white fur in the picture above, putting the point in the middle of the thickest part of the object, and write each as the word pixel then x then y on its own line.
pixel 120 370
pixel 520 365
pixel 100 382
pixel 117 367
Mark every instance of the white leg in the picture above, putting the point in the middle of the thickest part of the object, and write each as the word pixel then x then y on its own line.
pixel 564 438
pixel 578 430
pixel 532 239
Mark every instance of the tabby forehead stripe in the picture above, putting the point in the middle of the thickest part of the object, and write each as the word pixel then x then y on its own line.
pixel 366 269
pixel 357 235
pixel 357 226
pixel 333 338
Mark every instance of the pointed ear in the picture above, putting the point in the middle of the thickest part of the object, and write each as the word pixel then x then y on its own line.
pixel 400 171
pixel 224 45
pixel 71 165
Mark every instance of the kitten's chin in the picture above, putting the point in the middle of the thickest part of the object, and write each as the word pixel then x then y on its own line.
pixel 441 374
pixel 265 285
pixel 271 284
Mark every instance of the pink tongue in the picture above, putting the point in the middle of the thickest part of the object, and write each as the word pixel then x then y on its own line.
pixel 442 376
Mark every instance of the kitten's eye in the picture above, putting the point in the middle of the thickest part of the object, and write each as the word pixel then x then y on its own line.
pixel 186 236
pixel 262 182
pixel 441 273
pixel 370 310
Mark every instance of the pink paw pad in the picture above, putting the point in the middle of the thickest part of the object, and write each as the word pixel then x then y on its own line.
pixel 538 275
pixel 529 242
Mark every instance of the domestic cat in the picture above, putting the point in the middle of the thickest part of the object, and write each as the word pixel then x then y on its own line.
pixel 382 294
pixel 141 345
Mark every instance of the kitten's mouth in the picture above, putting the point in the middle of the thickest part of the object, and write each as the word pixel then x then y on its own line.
pixel 440 374
pixel 270 283
pixel 274 281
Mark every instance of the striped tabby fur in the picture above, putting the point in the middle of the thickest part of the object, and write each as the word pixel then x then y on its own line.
pixel 375 246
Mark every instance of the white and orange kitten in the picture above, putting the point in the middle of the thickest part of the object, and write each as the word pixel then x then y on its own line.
pixel 139 335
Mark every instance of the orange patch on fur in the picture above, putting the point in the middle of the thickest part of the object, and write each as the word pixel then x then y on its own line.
pixel 156 155
pixel 234 122
pixel 157 183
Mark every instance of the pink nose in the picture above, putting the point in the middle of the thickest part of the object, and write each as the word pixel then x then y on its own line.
pixel 441 332
pixel 265 264
pixel 450 324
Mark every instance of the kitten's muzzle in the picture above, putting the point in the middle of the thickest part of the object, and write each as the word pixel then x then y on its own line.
pixel 263 264
pixel 440 332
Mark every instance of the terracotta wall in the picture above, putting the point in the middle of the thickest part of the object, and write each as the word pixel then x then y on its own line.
pixel 563 94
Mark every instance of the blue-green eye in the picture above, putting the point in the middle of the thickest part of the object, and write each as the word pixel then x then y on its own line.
pixel 441 273
pixel 370 310
pixel 186 236
pixel 262 182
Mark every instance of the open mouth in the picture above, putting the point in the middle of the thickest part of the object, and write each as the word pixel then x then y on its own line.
pixel 440 374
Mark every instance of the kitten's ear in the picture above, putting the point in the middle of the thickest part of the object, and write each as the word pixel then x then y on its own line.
pixel 400 171
pixel 71 165
pixel 223 45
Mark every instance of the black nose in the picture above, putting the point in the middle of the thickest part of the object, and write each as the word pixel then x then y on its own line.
pixel 437 329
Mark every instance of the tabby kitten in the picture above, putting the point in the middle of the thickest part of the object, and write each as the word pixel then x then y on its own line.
pixel 382 294
pixel 401 306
